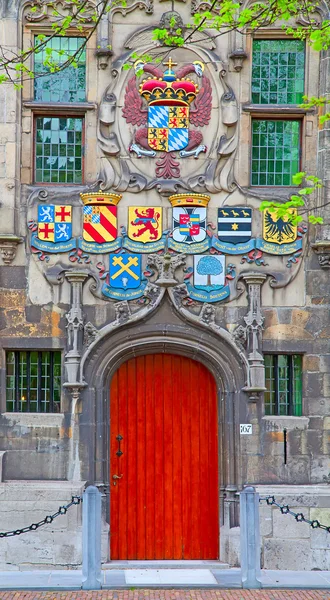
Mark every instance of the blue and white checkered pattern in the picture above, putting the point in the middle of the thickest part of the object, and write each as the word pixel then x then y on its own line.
pixel 158 116
pixel 177 139
pixel 88 210
pixel 96 218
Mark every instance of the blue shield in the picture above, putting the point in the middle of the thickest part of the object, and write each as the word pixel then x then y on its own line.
pixel 125 271
pixel 234 224
pixel 168 127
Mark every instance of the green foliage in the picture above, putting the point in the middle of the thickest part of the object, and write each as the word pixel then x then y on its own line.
pixel 297 201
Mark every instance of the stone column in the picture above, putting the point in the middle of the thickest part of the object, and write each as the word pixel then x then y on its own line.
pixel 254 324
pixel 75 324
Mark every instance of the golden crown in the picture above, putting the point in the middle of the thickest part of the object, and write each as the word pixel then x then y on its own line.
pixel 100 198
pixel 189 199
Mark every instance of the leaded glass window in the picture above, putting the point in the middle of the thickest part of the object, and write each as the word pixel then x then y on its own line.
pixel 33 381
pixel 284 384
pixel 275 151
pixel 58 150
pixel 278 71
pixel 67 85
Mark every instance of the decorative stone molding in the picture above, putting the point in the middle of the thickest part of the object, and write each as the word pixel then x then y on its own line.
pixel 254 325
pixel 166 266
pixel 75 328
pixel 238 56
pixel 8 247
pixel 103 57
pixel 90 334
pixel 322 249
pixel 50 10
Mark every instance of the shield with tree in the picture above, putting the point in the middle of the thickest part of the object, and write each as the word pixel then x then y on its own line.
pixel 209 267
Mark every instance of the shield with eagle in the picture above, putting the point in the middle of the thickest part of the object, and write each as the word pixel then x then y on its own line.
pixel 168 127
pixel 279 230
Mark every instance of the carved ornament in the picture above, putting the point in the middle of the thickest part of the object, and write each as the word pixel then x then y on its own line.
pixel 8 247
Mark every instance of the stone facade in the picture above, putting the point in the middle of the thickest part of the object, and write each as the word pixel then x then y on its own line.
pixel 55 301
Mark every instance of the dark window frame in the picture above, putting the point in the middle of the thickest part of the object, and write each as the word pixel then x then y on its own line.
pixel 53 407
pixel 292 407
pixel 58 115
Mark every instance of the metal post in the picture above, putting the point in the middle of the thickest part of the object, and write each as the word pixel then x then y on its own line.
pixel 250 538
pixel 91 563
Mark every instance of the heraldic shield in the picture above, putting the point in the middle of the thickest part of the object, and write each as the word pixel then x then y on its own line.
pixel 145 223
pixel 168 127
pixel 100 217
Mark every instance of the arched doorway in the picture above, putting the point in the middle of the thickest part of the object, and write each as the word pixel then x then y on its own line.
pixel 164 489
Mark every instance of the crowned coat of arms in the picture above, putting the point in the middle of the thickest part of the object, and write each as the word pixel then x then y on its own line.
pixel 164 107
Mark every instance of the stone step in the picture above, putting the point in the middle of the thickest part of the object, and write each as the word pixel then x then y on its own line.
pixel 164 564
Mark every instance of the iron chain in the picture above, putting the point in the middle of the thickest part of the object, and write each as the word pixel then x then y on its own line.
pixel 300 518
pixel 49 519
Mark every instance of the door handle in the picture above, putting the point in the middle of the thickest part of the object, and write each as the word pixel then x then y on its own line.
pixel 115 477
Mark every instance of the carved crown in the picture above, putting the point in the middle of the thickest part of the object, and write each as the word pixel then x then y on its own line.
pixel 189 199
pixel 168 90
pixel 100 198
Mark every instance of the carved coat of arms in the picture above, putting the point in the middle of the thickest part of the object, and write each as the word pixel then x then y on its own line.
pixel 172 103
pixel 145 223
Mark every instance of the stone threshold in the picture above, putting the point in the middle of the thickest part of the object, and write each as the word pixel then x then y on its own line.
pixel 164 564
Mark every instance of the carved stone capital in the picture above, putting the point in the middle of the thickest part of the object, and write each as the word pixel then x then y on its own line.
pixel 8 246
pixel 254 278
pixel 322 249
pixel 75 389
pixel 238 56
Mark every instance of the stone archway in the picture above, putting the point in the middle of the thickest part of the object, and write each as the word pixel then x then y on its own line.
pixel 164 334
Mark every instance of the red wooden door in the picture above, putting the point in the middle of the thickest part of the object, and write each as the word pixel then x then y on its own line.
pixel 165 504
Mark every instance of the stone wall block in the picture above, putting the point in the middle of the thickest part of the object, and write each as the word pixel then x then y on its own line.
pixel 273 443
pixel 32 548
pixel 311 362
pixel 315 440
pixel 286 526
pixel 266 520
pixel 287 554
pixel 314 384
pixel 320 469
pixel 316 406
pixel 326 385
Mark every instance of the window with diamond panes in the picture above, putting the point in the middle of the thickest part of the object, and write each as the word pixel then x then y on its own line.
pixel 33 381
pixel 278 71
pixel 275 151
pixel 67 85
pixel 283 394
pixel 58 150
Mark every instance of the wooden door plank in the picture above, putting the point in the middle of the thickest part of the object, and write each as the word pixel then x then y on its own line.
pixel 178 440
pixel 203 471
pixel 159 455
pixel 196 391
pixel 187 372
pixel 213 468
pixel 168 464
pixel 141 458
pixel 114 508
pixel 122 462
pixel 150 457
pixel 131 449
